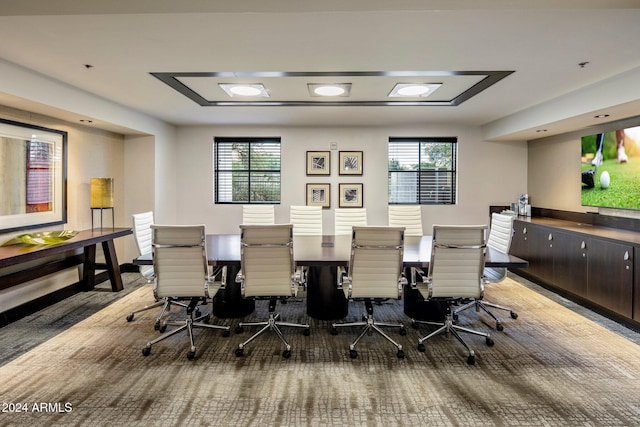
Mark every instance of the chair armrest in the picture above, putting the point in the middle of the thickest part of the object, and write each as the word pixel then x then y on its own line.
pixel 401 282
pixel 417 274
pixel 300 276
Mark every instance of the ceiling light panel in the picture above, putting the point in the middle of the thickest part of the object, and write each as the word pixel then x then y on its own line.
pixel 292 88
pixel 413 90
pixel 244 90
pixel 329 89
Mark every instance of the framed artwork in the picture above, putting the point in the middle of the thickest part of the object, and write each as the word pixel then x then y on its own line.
pixel 350 196
pixel 319 195
pixel 33 173
pixel 350 162
pixel 318 163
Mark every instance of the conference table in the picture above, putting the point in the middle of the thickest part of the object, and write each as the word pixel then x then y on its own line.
pixel 322 255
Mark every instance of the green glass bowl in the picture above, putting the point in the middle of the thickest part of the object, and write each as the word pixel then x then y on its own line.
pixel 45 237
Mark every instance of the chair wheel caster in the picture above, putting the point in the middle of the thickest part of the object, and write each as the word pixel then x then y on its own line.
pixel 489 342
pixel 499 327
pixel 191 355
pixel 239 352
pixel 514 315
pixel 471 360
pixel 156 326
pixel 239 329
pixel 226 333
pixel 403 331
pixel 353 354
pixel 162 328
pixel 414 324
pixel 146 351
pixel 307 332
pixel 286 354
pixel 197 312
pixel 130 317
pixel 455 318
pixel 421 347
pixel 400 354
pixel 334 331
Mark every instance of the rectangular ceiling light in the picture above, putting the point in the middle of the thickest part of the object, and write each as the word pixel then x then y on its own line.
pixel 244 90
pixel 329 89
pixel 413 90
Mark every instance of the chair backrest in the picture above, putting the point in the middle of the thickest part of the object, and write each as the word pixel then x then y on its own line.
pixel 346 218
pixel 407 216
pixel 180 260
pixel 501 232
pixel 258 214
pixel 457 261
pixel 142 235
pixel 306 220
pixel 266 256
pixel 375 264
pixel 500 235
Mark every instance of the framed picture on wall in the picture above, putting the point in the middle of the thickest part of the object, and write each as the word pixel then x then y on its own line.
pixel 33 173
pixel 350 195
pixel 318 163
pixel 350 162
pixel 319 195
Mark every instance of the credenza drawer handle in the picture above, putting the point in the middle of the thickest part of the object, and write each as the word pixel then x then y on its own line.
pixel 626 256
pixel 583 245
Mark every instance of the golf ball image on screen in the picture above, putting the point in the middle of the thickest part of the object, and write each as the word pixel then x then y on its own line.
pixel 605 179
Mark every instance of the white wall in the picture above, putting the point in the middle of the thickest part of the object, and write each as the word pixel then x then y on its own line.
pixel 554 173
pixel 489 172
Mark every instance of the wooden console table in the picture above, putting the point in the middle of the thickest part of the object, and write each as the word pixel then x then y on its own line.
pixel 86 239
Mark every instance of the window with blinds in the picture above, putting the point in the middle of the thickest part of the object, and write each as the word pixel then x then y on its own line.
pixel 422 171
pixel 247 170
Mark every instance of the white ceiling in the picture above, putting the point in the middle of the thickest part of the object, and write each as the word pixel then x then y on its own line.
pixel 541 41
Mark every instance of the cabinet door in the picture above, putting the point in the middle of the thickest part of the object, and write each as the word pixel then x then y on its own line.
pixel 636 286
pixel 533 243
pixel 520 240
pixel 543 249
pixel 571 262
pixel 611 275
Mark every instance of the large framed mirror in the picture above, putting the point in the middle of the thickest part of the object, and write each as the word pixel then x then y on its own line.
pixel 33 176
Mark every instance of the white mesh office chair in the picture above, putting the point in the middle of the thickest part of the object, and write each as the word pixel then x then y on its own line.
pixel 346 218
pixel 374 273
pixel 500 236
pixel 182 271
pixel 258 214
pixel 455 272
pixel 306 220
pixel 407 216
pixel 268 272
pixel 142 234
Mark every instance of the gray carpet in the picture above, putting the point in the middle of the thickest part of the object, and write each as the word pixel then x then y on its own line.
pixel 551 366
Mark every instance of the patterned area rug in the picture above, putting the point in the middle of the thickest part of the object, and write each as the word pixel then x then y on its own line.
pixel 550 366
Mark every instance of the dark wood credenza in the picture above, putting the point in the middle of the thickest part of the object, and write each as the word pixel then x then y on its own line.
pixel 592 264
pixel 62 256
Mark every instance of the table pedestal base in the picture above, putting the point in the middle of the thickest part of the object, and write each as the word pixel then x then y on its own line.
pixel 228 302
pixel 417 308
pixel 324 300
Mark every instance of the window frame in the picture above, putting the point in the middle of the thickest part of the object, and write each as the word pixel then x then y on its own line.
pixel 218 141
pixel 422 174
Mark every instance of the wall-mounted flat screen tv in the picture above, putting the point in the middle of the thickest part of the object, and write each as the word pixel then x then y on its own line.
pixel 611 169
